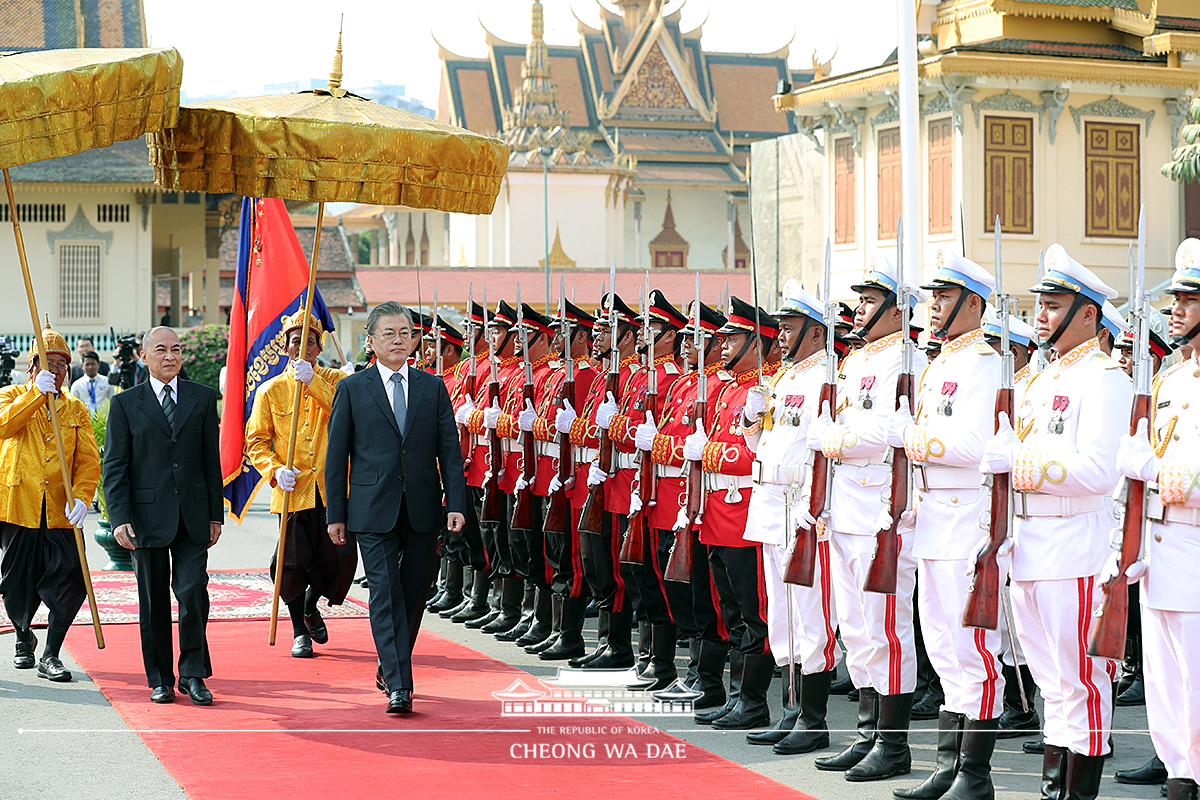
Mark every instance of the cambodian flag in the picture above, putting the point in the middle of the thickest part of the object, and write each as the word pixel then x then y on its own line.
pixel 272 281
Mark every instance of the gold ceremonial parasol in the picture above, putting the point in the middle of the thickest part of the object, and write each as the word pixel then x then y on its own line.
pixel 60 102
pixel 326 146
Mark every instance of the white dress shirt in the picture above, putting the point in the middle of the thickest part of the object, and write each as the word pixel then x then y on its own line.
pixel 389 386
pixel 158 385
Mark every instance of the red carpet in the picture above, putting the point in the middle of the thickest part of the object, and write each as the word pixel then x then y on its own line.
pixel 286 727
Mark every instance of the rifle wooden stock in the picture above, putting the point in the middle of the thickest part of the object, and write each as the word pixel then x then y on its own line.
pixel 559 504
pixel 522 516
pixel 881 575
pixel 492 498
pixel 983 594
pixel 1107 639
pixel 591 517
pixel 464 435
pixel 679 566
pixel 633 549
pixel 802 563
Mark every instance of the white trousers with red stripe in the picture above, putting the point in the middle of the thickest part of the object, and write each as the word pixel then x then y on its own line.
pixel 1053 620
pixel 877 629
pixel 814 646
pixel 965 658
pixel 1170 643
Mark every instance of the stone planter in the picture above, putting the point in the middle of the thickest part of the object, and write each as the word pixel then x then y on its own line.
pixel 119 559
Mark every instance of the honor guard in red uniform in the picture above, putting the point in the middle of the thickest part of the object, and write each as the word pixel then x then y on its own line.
pixel 566 389
pixel 697 599
pixel 610 581
pixel 662 323
pixel 736 562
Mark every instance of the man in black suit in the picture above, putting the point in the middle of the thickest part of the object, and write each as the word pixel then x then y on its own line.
pixel 162 481
pixel 391 432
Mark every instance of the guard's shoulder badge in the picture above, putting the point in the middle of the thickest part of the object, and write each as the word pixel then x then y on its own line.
pixel 1107 361
pixel 670 368
pixel 550 364
pixel 985 349
pixel 634 368
pixel 724 375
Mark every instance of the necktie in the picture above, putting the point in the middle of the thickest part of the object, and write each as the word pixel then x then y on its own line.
pixel 92 390
pixel 168 404
pixel 399 404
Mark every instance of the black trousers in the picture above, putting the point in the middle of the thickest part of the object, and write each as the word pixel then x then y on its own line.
pixel 563 558
pixel 706 607
pixel 742 589
pixel 665 602
pixel 611 581
pixel 310 558
pixel 181 566
pixel 40 565
pixel 529 546
pixel 495 538
pixel 466 546
pixel 400 566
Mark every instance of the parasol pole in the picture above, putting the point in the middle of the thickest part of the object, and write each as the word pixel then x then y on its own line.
pixel 53 407
pixel 299 396
pixel 338 346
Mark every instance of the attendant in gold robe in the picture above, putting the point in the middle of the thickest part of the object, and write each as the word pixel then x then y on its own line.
pixel 312 565
pixel 40 562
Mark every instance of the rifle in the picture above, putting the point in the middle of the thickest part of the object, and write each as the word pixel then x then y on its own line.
pixel 1107 639
pixel 633 549
pixel 437 339
pixel 491 487
pixel 679 565
pixel 522 516
pixel 983 594
pixel 881 575
pixel 464 435
pixel 802 563
pixel 591 518
pixel 559 504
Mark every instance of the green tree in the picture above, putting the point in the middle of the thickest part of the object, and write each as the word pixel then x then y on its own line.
pixel 204 352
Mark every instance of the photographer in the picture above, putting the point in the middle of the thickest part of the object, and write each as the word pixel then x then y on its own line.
pixel 128 367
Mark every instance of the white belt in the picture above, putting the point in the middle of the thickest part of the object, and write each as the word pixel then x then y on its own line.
pixel 626 460
pixel 866 462
pixel 935 477
pixel 480 439
pixel 1032 504
pixel 730 484
pixel 550 449
pixel 585 455
pixel 1157 511
pixel 663 471
pixel 779 475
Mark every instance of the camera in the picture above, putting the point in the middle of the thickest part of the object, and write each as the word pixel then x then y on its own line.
pixel 8 360
pixel 127 361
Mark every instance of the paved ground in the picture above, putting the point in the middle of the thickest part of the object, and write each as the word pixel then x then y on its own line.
pixel 66 741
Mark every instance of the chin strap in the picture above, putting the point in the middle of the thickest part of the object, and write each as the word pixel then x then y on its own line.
pixel 1184 339
pixel 507 338
pixel 749 341
pixel 791 353
pixel 887 304
pixel 1076 304
pixel 643 349
pixel 945 329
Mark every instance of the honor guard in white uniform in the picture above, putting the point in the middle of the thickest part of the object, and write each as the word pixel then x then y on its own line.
pixel 1062 457
pixel 782 478
pixel 1170 457
pixel 876 629
pixel 1115 326
pixel 944 438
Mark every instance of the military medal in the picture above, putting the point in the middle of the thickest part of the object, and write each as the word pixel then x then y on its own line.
pixel 946 408
pixel 864 392
pixel 1056 419
pixel 793 404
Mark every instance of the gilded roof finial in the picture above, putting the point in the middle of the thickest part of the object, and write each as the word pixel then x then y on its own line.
pixel 47 325
pixel 335 75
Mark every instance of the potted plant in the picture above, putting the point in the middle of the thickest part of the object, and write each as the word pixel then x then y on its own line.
pixel 119 559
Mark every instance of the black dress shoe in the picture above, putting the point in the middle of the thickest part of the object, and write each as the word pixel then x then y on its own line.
pixel 844 686
pixel 400 702
pixel 1152 772
pixel 928 707
pixel 1135 695
pixel 23 658
pixel 316 627
pixel 302 647
pixel 162 694
pixel 1034 748
pixel 380 683
pixel 195 689
pixel 52 669
pixel 1016 724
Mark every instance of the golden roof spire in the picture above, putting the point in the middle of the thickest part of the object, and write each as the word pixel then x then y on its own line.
pixel 335 74
pixel 535 101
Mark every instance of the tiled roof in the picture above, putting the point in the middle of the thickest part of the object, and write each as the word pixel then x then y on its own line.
pixel 743 87
pixel 338 293
pixel 1128 4
pixel 334 255
pixel 664 174
pixel 51 24
pixel 1114 52
pixel 1178 23
pixel 640 142
pixel 122 162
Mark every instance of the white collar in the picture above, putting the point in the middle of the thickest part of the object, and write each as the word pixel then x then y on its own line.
pixel 387 374
pixel 158 385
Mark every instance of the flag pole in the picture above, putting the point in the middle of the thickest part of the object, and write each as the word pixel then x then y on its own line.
pixel 298 397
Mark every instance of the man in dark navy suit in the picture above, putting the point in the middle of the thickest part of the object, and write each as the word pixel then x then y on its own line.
pixel 393 450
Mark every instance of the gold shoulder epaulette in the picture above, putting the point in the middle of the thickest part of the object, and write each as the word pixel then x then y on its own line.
pixel 670 368
pixel 724 375
pixel 985 349
pixel 634 368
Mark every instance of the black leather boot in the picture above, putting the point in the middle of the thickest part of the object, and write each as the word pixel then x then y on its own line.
pixel 790 713
pixel 543 619
pixel 810 732
pixel 512 591
pixel 751 710
pixel 570 635
pixel 693 662
pixel 619 652
pixel 452 594
pixel 1152 773
pixel 475 606
pixel 662 672
pixel 737 661
pixel 1015 721
pixel 556 602
pixel 1181 789
pixel 439 585
pixel 1083 776
pixel 644 647
pixel 1054 767
pixel 602 628
pixel 949 741
pixel 974 779
pixel 868 716
pixel 890 755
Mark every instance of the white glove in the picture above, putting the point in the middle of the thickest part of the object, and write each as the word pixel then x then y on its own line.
pixel 491 415
pixel 285 478
pixel 44 381
pixel 899 422
pixel 693 446
pixel 817 428
pixel 303 370
pixel 565 416
pixel 521 484
pixel 999 450
pixel 527 416
pixel 347 368
pixel 908 521
pixel 635 503
pixel 804 519
pixel 1133 573
pixel 1136 459
pixel 756 404
pixel 643 437
pixel 607 410
pixel 981 547
pixel 682 521
pixel 555 484
pixel 596 476
pixel 76 513
pixel 464 411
